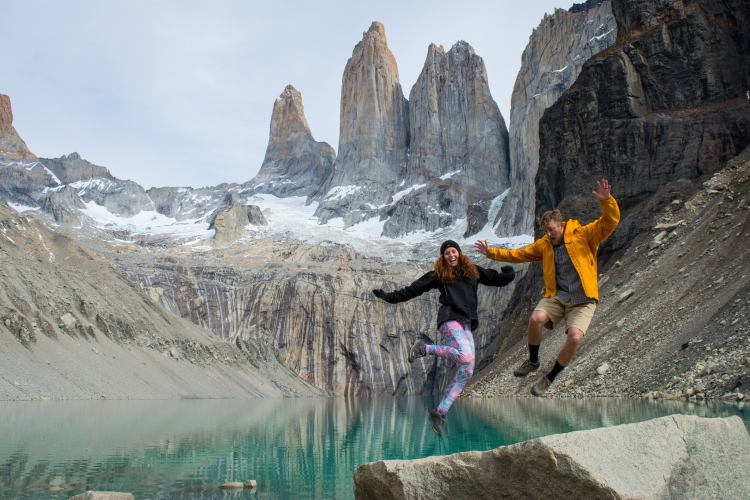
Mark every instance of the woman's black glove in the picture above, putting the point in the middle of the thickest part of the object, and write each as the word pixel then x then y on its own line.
pixel 508 271
pixel 380 294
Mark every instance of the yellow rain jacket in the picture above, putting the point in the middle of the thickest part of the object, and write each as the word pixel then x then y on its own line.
pixel 582 243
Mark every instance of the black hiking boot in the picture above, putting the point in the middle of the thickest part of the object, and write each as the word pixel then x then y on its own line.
pixel 526 368
pixel 417 351
pixel 437 421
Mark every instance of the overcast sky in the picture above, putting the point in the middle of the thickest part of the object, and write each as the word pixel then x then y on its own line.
pixel 181 93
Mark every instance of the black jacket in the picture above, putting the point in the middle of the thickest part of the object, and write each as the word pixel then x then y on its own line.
pixel 458 299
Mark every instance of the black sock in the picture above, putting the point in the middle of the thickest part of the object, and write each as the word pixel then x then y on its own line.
pixel 555 371
pixel 534 353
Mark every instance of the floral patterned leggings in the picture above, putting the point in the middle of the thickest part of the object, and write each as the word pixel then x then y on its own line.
pixel 460 350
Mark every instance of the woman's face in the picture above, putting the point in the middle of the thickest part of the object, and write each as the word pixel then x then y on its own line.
pixel 451 256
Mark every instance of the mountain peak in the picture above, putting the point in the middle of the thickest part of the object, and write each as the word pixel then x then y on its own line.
pixel 10 141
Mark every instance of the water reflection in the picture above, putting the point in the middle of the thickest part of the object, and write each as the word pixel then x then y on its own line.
pixel 294 448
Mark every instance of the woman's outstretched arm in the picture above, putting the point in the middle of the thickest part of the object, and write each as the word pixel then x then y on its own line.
pixel 490 277
pixel 424 284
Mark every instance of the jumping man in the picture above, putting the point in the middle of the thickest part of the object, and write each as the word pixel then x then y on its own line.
pixel 568 254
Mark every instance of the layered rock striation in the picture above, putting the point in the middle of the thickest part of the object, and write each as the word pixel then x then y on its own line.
pixel 295 164
pixel 550 64
pixel 676 456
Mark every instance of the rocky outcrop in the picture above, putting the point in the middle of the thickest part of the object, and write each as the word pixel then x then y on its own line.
pixel 551 62
pixel 11 144
pixel 64 205
pixel 73 168
pixel 72 327
pixel 295 164
pixel 667 102
pixel 230 223
pixel 458 150
pixel 670 457
pixel 373 133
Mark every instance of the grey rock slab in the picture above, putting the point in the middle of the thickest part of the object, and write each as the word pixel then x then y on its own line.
pixel 103 495
pixel 676 456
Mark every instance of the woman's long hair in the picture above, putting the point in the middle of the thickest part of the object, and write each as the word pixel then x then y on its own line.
pixel 465 267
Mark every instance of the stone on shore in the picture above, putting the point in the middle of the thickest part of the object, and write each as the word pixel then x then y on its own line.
pixel 102 495
pixel 676 456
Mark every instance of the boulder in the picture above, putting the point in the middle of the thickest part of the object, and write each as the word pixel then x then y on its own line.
pixel 230 223
pixel 102 495
pixel 677 456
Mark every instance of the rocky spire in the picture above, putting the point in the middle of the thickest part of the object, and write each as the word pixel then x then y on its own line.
pixel 458 136
pixel 374 128
pixel 295 164
pixel 11 143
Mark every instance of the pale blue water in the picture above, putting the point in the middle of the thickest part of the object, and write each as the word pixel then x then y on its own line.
pixel 294 448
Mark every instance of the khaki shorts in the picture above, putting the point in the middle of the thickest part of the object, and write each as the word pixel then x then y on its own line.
pixel 575 316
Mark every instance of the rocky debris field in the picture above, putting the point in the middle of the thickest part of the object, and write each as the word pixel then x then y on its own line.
pixel 72 327
pixel 674 317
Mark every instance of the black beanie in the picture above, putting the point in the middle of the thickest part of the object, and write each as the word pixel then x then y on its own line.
pixel 449 244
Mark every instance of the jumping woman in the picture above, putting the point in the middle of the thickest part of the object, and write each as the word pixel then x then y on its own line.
pixel 457 278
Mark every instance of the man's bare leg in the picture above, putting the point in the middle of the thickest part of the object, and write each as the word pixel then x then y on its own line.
pixel 571 346
pixel 536 322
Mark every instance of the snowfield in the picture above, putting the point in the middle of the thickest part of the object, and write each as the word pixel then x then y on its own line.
pixel 293 219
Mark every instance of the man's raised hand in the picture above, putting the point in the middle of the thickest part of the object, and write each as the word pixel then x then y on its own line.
pixel 482 247
pixel 603 190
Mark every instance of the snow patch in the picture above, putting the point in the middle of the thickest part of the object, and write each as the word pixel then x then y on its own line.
pixel 22 208
pixel 560 70
pixel 397 197
pixel 449 175
pixel 340 192
pixel 147 222
pixel 599 38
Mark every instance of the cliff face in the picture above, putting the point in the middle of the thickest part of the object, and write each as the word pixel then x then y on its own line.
pixel 459 143
pixel 295 164
pixel 315 303
pixel 667 102
pixel 551 62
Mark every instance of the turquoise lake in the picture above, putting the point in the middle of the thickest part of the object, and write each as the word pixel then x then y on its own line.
pixel 294 448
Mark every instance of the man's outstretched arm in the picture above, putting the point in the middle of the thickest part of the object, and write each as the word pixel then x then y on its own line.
pixel 527 254
pixel 600 229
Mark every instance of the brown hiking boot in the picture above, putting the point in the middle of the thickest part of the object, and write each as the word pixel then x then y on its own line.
pixel 437 421
pixel 526 368
pixel 541 387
